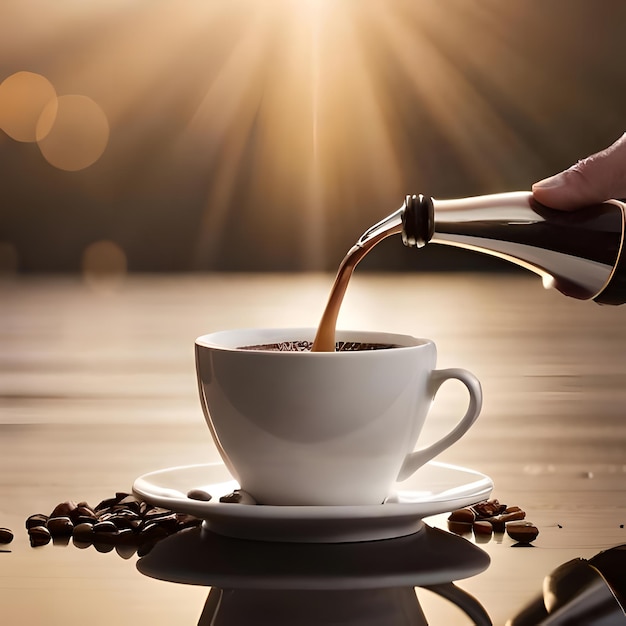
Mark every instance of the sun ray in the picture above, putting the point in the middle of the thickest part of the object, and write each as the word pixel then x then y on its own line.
pixel 279 122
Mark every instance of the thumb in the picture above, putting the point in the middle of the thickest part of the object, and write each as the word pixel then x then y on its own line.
pixel 595 179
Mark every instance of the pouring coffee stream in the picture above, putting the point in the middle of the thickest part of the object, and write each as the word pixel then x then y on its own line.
pixel 579 253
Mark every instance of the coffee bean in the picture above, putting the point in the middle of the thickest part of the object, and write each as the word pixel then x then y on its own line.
pixel 482 527
pixel 462 515
pixel 488 508
pixel 123 518
pixel 39 536
pixel 523 532
pixel 125 536
pixel 125 550
pixel 6 536
pixel 64 509
pixel 106 504
pixel 60 526
pixel 38 519
pixel 168 522
pixel 199 494
pixel 159 516
pixel 106 527
pixel 128 514
pixel 513 516
pixel 239 496
pixel 499 522
pixel 459 528
pixel 153 532
pixel 155 511
pixel 84 513
pixel 187 521
pixel 130 502
pixel 83 532
pixel 103 545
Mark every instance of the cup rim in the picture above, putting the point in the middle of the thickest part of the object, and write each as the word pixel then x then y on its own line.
pixel 236 340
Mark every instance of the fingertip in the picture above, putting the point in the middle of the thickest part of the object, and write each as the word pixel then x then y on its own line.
pixel 553 192
pixel 566 191
pixel 552 182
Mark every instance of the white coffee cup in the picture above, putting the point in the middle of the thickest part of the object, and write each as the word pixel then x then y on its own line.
pixel 322 428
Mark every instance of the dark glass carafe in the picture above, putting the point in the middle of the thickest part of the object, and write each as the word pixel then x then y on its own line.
pixel 579 253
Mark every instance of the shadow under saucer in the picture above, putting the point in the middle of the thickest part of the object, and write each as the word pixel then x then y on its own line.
pixel 365 583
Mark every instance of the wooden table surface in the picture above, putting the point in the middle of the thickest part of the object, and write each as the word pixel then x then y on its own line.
pixel 97 386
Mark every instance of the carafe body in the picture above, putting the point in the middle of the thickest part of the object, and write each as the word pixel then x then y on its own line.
pixel 577 252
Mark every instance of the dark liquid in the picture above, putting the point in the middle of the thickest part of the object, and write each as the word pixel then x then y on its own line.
pixel 306 346
pixel 325 337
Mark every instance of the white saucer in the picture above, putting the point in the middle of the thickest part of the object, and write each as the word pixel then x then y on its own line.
pixel 433 489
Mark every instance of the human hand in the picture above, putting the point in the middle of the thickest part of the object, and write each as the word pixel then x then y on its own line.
pixel 597 178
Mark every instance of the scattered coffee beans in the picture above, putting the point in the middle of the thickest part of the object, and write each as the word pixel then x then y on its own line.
pixel 6 536
pixel 490 517
pixel 123 522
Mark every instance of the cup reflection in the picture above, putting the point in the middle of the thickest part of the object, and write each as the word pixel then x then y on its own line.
pixel 254 582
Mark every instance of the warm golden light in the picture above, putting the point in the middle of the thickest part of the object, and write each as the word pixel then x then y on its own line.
pixel 279 119
pixel 23 96
pixel 72 132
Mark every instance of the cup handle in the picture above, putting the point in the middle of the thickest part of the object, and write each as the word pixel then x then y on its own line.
pixel 415 460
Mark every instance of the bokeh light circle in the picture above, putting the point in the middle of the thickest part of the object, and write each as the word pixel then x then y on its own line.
pixel 104 265
pixel 23 96
pixel 72 132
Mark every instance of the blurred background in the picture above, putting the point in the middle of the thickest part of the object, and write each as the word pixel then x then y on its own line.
pixel 267 135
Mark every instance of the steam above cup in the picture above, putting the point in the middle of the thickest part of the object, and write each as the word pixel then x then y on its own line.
pixel 296 427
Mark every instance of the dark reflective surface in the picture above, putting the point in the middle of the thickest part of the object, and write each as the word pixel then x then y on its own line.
pixel 350 583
